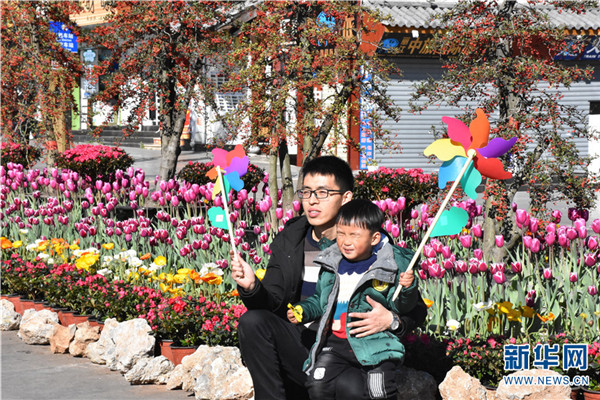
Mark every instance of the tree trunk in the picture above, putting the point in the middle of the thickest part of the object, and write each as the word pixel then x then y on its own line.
pixel 170 151
pixel 273 185
pixel 287 184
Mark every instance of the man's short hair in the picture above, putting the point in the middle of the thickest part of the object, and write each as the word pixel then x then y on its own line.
pixel 362 213
pixel 331 166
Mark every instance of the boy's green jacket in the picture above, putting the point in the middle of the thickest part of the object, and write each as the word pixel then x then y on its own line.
pixel 379 283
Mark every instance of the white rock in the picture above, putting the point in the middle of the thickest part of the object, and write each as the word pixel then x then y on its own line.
pixel 10 319
pixel 150 371
pixel 37 326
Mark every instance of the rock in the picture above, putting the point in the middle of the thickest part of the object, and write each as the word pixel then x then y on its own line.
pixel 213 373
pixel 84 336
pixel 458 385
pixel 413 384
pixel 150 371
pixel 96 351
pixel 10 318
pixel 121 345
pixel 533 391
pixel 61 338
pixel 37 326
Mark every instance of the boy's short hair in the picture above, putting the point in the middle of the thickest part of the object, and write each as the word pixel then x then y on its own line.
pixel 332 166
pixel 362 213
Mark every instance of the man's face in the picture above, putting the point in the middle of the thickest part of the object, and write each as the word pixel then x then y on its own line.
pixel 354 242
pixel 321 213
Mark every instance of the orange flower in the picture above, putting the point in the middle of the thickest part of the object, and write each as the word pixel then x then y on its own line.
pixel 145 256
pixel 5 243
pixel 235 293
pixel 428 302
pixel 195 276
pixel 550 317
pixel 212 279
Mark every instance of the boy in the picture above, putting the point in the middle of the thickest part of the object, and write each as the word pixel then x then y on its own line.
pixel 340 365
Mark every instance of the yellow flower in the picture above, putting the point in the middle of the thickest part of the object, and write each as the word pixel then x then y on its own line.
pixel 108 246
pixel 528 312
pixel 74 247
pixel 427 302
pixel 505 307
pixel 583 315
pixel 42 246
pixel 86 261
pixel 179 278
pixel 184 271
pixel 134 276
pixel 160 261
pixel 164 288
pixel 514 315
pixel 17 244
pixel 212 279
pixel 260 273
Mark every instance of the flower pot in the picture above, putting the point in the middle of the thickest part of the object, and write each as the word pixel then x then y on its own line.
pixel 94 322
pixel 26 304
pixel 590 394
pixel 38 305
pixel 575 390
pixel 15 299
pixel 178 352
pixel 165 349
pixel 67 318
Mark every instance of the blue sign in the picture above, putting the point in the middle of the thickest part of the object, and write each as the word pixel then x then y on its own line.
pixel 590 52
pixel 65 37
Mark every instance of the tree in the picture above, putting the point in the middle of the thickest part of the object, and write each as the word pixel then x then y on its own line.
pixel 504 62
pixel 304 65
pixel 160 51
pixel 38 75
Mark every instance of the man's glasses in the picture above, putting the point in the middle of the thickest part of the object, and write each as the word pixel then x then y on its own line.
pixel 319 193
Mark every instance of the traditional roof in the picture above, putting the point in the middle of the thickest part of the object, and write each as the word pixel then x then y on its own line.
pixel 421 14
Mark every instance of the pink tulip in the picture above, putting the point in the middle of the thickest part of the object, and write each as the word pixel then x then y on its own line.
pixel 550 238
pixel 499 277
pixel 482 266
pixel 446 252
pixel 533 224
pixel 422 275
pixel 589 260
pixel 401 203
pixel 478 253
pixel 522 218
pixel 402 244
pixel 395 230
pixel 563 240
pixel 551 227
pixel 535 245
pixel 547 273
pixel 527 241
pixel 460 267
pixel 473 268
pixel 596 225
pixel 266 248
pixel 414 214
pixel 495 267
pixel 573 277
pixel 437 246
pixel 256 229
pixel 572 233
pixel 592 242
pixel 499 240
pixel 592 290
pixel 429 252
pixel 296 205
pixel 516 267
pixel 436 271
pixel 279 213
pixel 466 240
pixel 477 231
pixel 448 264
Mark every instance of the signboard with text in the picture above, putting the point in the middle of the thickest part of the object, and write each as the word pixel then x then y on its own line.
pixel 65 37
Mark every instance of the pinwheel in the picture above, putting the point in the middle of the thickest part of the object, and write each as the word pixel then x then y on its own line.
pixel 463 145
pixel 235 165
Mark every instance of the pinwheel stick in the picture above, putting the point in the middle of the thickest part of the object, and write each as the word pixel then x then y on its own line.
pixel 471 153
pixel 226 208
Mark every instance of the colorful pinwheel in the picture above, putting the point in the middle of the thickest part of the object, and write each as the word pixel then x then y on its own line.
pixel 235 165
pixel 464 144
pixel 454 151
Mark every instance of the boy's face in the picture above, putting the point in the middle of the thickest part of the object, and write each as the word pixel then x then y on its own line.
pixel 321 213
pixel 356 243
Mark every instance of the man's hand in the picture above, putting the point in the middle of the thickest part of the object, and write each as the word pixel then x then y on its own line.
pixel 241 272
pixel 407 278
pixel 291 317
pixel 377 320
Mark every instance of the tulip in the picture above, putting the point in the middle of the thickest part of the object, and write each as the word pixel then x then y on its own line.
pixel 499 277
pixel 395 230
pixel 473 268
pixel 589 260
pixel 551 227
pixel 535 245
pixel 592 242
pixel 402 244
pixel 499 240
pixel 522 218
pixel 527 241
pixel 446 252
pixel 437 246
pixel 557 216
pixel 573 277
pixel 572 233
pixel 478 253
pixel 279 213
pixel 563 240
pixel 495 267
pixel 533 224
pixel 516 267
pixel 550 238
pixel 256 229
pixel 482 266
pixel 460 267
pixel 547 273
pixel 429 252
pixel 422 275
pixel 477 231
pixel 592 290
pixel 466 240
pixel 596 225
pixel 414 214
pixel 448 264
pixel 436 271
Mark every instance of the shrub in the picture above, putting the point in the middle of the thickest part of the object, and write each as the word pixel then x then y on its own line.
pixel 195 172
pixel 94 161
pixel 384 183
pixel 19 153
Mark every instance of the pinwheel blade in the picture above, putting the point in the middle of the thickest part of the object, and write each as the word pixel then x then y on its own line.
pixel 445 150
pixel 239 165
pixel 497 146
pixel 217 217
pixel 451 222
pixel 217 188
pixel 469 181
pixel 220 157
pixel 480 130
pixel 491 168
pixel 458 131
pixel 238 151
pixel 233 179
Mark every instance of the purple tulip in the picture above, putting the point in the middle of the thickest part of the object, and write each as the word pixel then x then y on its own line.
pixel 466 240
pixel 499 277
pixel 592 290
pixel 547 273
pixel 573 277
pixel 499 240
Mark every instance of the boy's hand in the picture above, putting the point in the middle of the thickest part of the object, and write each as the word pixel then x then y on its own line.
pixel 291 318
pixel 407 278
pixel 241 272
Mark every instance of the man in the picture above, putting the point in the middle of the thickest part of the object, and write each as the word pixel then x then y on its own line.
pixel 273 349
